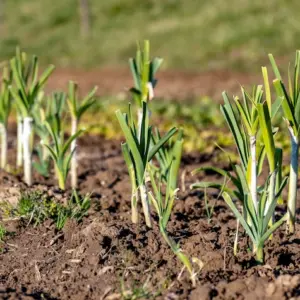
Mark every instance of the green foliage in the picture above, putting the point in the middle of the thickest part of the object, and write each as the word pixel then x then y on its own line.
pixel 257 222
pixel 3 232
pixel 237 36
pixel 169 177
pixel 250 123
pixel 137 292
pixel 78 108
pixel 289 96
pixel 267 134
pixel 209 208
pixel 42 164
pixel 163 204
pixel 165 155
pixel 28 83
pixel 33 207
pixel 5 96
pixel 236 176
pixel 138 151
pixel 36 207
pixel 242 120
pixel 143 71
pixel 50 110
pixel 76 209
pixel 140 147
pixel 60 154
pixel 201 118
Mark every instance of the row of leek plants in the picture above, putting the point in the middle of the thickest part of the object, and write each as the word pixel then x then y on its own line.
pixel 40 117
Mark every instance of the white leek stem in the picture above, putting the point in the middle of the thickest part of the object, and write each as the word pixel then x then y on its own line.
pixel 140 120
pixel 27 130
pixel 236 239
pixel 3 132
pixel 20 143
pixel 145 204
pixel 134 208
pixel 45 151
pixel 292 198
pixel 150 91
pixel 271 196
pixel 272 191
pixel 74 177
pixel 253 183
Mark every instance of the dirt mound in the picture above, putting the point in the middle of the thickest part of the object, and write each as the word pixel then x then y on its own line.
pixel 178 85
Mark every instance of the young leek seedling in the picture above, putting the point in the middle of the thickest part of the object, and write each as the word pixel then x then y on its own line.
pixel 25 94
pixel 290 103
pixel 138 151
pixel 51 111
pixel 77 109
pixel 164 204
pixel 60 153
pixel 5 109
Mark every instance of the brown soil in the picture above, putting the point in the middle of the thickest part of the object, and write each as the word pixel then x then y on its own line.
pixel 175 84
pixel 92 259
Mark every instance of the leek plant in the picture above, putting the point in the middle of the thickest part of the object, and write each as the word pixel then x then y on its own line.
pixel 290 103
pixel 5 109
pixel 251 126
pixel 60 152
pixel 243 122
pixel 259 223
pixel 25 68
pixel 25 92
pixel 77 109
pixel 163 204
pixel 244 130
pixel 51 111
pixel 138 150
pixel 143 72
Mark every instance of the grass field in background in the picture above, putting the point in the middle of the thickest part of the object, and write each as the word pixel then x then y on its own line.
pixel 189 34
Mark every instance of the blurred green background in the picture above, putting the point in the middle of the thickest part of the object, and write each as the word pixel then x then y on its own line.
pixel 189 34
pixel 196 38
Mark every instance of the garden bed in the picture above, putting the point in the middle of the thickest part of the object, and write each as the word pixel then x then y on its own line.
pixel 107 257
